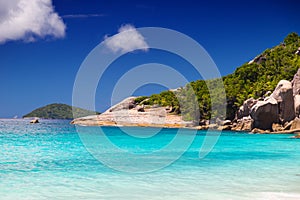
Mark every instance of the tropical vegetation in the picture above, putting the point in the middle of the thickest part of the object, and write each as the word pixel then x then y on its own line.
pixel 252 79
pixel 59 111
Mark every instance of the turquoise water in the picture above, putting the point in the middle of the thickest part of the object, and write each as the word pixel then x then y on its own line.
pixel 49 161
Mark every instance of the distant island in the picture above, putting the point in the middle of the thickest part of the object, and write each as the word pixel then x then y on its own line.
pixel 59 111
pixel 263 95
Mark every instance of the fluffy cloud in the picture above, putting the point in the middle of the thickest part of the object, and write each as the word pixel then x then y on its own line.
pixel 128 39
pixel 29 19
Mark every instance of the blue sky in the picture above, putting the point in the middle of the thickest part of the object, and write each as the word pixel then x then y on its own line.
pixel 38 66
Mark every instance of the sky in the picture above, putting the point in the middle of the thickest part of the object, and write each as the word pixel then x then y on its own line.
pixel 43 43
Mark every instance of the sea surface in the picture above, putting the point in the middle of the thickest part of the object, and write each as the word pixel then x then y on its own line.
pixel 51 160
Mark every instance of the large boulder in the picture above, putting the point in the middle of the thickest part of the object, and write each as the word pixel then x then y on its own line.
pixel 245 109
pixel 283 94
pixel 126 104
pixel 203 122
pixel 279 109
pixel 34 121
pixel 264 114
pixel 226 122
pixel 295 124
pixel 259 131
pixel 140 108
pixel 244 124
pixel 277 127
pixel 296 92
pixel 297 105
pixel 296 83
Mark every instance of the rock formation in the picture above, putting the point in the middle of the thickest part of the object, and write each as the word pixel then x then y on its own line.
pixel 296 92
pixel 295 124
pixel 34 121
pixel 277 113
pixel 283 94
pixel 126 104
pixel 297 105
pixel 244 124
pixel 259 59
pixel 128 113
pixel 245 109
pixel 296 83
pixel 264 114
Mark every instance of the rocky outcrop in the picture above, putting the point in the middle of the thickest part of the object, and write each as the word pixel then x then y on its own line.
pixel 273 112
pixel 226 123
pixel 283 94
pixel 34 121
pixel 296 83
pixel 259 59
pixel 278 112
pixel 204 122
pixel 244 110
pixel 244 124
pixel 128 113
pixel 295 124
pixel 126 104
pixel 296 92
pixel 277 127
pixel 140 108
pixel 260 131
pixel 297 105
pixel 264 114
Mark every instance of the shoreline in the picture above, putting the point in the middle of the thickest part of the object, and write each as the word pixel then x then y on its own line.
pixel 211 127
pixel 198 128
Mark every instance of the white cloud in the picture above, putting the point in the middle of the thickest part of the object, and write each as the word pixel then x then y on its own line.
pixel 128 39
pixel 28 20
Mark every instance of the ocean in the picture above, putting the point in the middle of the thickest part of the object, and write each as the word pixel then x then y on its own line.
pixel 54 160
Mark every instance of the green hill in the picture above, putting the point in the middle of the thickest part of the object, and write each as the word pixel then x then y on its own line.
pixel 252 79
pixel 59 111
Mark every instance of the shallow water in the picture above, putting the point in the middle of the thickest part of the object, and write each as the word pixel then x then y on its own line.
pixel 50 161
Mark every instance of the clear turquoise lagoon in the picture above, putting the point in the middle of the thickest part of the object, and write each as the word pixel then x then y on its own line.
pixel 49 161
